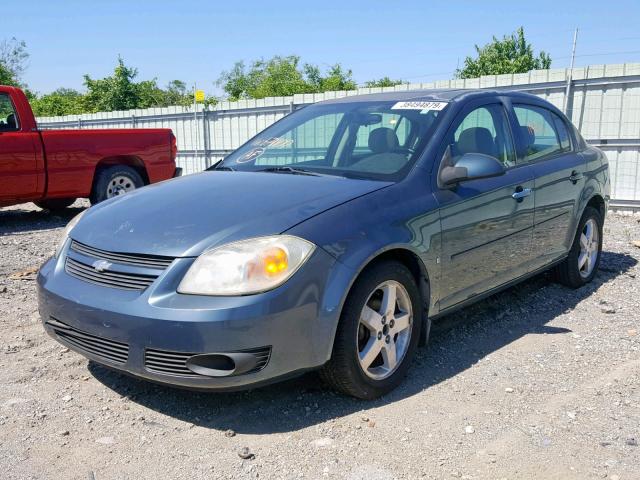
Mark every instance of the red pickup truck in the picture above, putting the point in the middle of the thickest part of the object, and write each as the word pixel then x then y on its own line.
pixel 54 167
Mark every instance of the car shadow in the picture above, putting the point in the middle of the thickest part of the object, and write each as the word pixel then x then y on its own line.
pixel 458 341
pixel 16 220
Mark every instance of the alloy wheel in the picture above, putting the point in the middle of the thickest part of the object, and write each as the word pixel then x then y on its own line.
pixel 384 330
pixel 589 248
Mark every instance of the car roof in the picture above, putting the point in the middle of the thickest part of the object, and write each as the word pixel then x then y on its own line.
pixel 445 95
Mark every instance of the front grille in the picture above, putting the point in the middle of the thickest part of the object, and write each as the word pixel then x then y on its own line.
pixel 175 363
pixel 151 261
pixel 125 281
pixel 110 350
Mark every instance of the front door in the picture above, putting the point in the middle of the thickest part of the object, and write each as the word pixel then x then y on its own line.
pixel 486 223
pixel 18 156
pixel 558 169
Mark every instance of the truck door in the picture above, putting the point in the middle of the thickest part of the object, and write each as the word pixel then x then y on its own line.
pixel 19 150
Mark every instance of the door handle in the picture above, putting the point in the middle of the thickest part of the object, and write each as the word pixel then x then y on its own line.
pixel 575 176
pixel 521 193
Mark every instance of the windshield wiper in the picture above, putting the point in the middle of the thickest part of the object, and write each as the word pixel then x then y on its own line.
pixel 291 170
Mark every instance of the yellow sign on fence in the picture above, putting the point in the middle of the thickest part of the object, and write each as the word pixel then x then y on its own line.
pixel 199 95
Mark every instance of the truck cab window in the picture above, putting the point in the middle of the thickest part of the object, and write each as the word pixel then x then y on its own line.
pixel 8 117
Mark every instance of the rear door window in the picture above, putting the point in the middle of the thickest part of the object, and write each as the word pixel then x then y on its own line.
pixel 544 133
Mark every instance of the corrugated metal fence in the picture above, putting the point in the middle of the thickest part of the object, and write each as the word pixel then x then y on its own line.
pixel 603 102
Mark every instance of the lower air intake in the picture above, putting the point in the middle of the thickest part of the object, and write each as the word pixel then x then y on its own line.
pixel 91 345
pixel 202 364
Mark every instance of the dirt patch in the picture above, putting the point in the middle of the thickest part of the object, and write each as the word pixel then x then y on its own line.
pixel 536 382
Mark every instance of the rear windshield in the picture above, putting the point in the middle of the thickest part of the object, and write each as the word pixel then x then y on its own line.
pixel 371 140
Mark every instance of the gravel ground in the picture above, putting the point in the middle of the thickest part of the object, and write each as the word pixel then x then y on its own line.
pixel 537 382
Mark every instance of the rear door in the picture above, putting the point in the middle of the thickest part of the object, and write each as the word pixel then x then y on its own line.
pixel 545 144
pixel 19 172
pixel 486 230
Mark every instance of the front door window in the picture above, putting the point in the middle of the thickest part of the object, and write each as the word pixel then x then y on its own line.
pixel 484 130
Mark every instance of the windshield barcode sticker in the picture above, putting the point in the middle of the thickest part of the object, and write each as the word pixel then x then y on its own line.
pixel 420 105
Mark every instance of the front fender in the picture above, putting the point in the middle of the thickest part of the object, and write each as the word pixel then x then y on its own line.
pixel 357 232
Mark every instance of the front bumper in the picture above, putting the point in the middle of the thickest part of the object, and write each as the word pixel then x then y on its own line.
pixel 122 329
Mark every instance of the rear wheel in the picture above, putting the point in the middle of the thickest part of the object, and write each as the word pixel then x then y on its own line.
pixel 581 264
pixel 114 181
pixel 378 333
pixel 55 204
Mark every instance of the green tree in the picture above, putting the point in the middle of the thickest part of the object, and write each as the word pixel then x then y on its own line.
pixel 335 79
pixel 13 61
pixel 149 94
pixel 235 82
pixel 120 91
pixel 176 93
pixel 117 92
pixel 63 101
pixel 512 54
pixel 383 82
pixel 6 76
pixel 279 76
pixel 282 76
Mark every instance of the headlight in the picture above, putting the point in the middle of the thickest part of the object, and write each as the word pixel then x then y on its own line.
pixel 67 230
pixel 245 267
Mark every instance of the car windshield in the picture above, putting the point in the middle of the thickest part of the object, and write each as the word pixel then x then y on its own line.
pixel 369 140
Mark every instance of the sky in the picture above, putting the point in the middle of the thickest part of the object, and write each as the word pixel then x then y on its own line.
pixel 194 41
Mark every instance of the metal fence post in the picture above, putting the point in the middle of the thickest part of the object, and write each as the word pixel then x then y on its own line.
pixel 205 135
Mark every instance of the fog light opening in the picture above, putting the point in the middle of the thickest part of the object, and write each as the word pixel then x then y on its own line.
pixel 221 364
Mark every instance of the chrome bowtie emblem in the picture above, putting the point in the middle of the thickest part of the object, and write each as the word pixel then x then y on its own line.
pixel 101 265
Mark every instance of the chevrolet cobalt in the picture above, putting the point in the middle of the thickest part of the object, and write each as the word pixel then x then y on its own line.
pixel 330 241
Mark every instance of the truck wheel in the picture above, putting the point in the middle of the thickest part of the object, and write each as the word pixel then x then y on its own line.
pixel 113 181
pixel 378 333
pixel 581 265
pixel 55 204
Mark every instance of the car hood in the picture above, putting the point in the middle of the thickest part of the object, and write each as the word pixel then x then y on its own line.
pixel 185 216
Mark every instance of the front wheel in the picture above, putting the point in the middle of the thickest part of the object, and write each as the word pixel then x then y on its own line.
pixel 583 260
pixel 378 333
pixel 113 181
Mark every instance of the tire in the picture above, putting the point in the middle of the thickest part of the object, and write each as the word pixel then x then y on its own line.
pixel 345 371
pixel 576 270
pixel 55 204
pixel 113 181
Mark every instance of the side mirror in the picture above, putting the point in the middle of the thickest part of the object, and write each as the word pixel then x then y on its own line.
pixel 471 166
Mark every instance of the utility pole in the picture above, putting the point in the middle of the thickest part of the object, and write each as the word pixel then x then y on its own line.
pixel 195 121
pixel 570 76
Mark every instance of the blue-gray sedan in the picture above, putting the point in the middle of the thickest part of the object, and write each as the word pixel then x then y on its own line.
pixel 329 241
